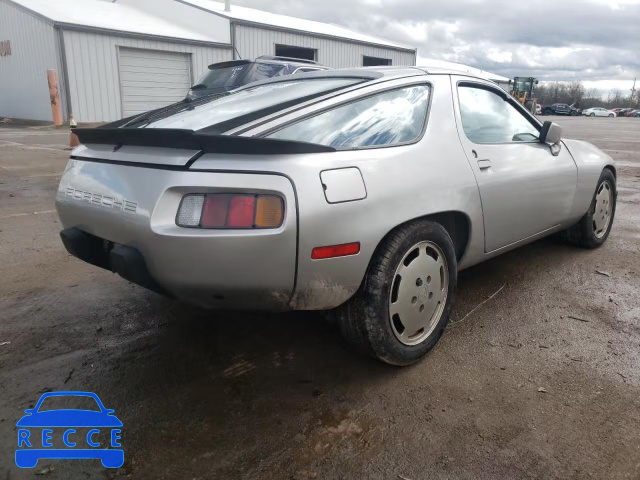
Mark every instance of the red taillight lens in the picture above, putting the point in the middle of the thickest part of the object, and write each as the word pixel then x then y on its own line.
pixel 332 251
pixel 241 211
pixel 214 211
pixel 226 210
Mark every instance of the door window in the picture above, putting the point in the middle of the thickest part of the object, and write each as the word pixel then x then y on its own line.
pixel 389 118
pixel 489 118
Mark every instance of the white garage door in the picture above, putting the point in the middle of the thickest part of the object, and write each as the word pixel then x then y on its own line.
pixel 151 79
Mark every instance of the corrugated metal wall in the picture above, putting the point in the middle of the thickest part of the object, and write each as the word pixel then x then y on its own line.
pixel 24 92
pixel 92 63
pixel 254 41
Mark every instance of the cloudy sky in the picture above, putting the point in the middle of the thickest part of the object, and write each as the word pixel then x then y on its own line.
pixel 596 41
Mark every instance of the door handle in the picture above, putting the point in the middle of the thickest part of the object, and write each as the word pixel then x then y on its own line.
pixel 484 164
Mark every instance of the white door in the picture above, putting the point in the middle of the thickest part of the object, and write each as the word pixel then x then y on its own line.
pixel 151 79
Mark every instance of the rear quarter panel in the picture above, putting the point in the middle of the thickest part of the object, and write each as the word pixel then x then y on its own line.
pixel 402 183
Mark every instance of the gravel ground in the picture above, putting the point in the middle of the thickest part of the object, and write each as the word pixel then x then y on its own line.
pixel 225 395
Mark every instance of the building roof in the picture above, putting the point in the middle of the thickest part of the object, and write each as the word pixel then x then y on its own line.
pixel 114 17
pixel 260 17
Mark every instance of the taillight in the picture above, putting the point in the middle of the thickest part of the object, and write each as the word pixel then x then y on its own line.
pixel 230 210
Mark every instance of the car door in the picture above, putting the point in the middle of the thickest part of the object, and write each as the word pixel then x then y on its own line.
pixel 525 188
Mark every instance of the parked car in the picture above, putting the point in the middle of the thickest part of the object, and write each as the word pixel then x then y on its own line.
pixel 631 113
pixel 622 112
pixel 636 113
pixel 225 76
pixel 575 112
pixel 598 112
pixel 557 109
pixel 364 191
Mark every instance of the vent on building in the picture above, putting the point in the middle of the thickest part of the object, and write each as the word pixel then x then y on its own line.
pixel 296 52
pixel 373 61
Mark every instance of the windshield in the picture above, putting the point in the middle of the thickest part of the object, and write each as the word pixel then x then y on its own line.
pixel 222 77
pixel 244 105
pixel 238 75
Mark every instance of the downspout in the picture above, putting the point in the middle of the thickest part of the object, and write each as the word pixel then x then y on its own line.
pixel 236 53
pixel 64 74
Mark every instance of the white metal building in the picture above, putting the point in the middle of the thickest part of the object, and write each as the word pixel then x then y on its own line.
pixel 113 60
pixel 255 32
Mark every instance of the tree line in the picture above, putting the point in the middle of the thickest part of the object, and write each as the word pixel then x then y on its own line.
pixel 548 93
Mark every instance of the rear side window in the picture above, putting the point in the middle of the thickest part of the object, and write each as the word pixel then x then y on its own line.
pixel 488 118
pixel 389 118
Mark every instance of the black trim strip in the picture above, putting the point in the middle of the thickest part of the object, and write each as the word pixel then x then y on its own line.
pixel 155 166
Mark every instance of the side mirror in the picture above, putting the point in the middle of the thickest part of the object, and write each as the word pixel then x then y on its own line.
pixel 551 133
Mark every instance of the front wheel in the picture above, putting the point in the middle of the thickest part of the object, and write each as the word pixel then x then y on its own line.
pixel 403 305
pixel 594 227
pixel 611 115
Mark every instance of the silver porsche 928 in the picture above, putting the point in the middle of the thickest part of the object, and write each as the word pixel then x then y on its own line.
pixel 363 190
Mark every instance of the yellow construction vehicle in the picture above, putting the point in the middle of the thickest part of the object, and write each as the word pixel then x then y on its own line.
pixel 522 90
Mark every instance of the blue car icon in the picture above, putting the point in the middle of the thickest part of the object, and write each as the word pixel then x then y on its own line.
pixel 32 448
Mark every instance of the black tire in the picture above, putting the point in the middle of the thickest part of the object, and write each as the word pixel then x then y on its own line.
pixel 582 233
pixel 611 115
pixel 365 320
pixel 592 114
pixel 546 111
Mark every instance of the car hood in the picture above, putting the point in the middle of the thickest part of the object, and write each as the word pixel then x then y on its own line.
pixel 586 153
pixel 69 418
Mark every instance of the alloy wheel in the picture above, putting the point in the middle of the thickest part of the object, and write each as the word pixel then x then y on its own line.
pixel 603 209
pixel 418 293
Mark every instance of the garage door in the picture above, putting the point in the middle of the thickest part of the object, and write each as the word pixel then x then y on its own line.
pixel 151 79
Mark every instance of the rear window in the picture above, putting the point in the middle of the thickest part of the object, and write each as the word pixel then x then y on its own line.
pixel 247 104
pixel 238 75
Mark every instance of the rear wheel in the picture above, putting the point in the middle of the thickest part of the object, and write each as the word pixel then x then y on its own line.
pixel 592 114
pixel 403 306
pixel 593 229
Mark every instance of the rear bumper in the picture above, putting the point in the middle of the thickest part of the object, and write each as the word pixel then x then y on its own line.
pixel 125 261
pixel 122 218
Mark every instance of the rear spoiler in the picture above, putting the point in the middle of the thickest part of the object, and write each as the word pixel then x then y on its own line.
pixel 195 140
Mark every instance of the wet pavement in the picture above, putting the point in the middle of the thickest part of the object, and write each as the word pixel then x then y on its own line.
pixel 541 381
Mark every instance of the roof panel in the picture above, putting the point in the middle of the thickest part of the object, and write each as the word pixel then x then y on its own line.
pixel 432 65
pixel 113 16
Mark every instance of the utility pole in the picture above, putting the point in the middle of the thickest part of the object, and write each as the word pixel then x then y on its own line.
pixel 633 91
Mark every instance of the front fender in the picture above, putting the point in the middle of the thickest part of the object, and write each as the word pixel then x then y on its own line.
pixel 590 161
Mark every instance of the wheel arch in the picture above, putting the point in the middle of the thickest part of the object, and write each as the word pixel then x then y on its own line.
pixel 613 170
pixel 456 223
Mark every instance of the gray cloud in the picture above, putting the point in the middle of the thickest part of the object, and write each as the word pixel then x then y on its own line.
pixel 552 40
